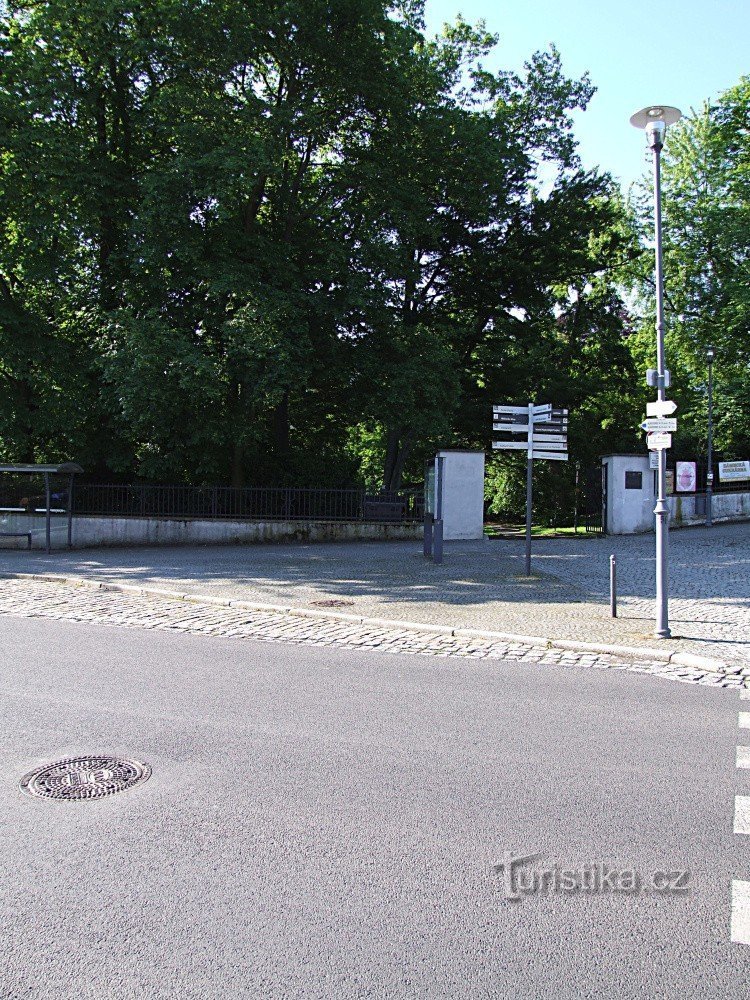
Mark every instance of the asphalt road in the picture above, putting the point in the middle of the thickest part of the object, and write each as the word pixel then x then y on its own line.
pixel 324 823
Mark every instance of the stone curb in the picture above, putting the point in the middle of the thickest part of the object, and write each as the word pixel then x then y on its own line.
pixel 662 654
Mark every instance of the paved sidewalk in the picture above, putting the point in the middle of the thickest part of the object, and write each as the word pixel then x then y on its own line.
pixel 480 585
pixel 92 604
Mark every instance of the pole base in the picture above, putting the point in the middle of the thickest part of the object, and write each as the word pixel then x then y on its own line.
pixel 663 633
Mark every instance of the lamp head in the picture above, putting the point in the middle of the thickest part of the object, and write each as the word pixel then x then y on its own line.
pixel 654 121
pixel 710 355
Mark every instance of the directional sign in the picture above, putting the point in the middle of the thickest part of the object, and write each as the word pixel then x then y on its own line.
pixel 661 408
pixel 512 428
pixel 658 442
pixel 659 424
pixel 511 445
pixel 543 410
pixel 514 410
pixel 556 456
pixel 557 428
pixel 544 444
pixel 544 438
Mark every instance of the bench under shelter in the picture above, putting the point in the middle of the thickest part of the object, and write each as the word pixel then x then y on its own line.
pixel 29 493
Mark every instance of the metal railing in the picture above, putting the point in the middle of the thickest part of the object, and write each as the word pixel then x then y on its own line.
pixel 253 503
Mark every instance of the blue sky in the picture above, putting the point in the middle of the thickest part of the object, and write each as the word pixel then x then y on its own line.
pixel 678 52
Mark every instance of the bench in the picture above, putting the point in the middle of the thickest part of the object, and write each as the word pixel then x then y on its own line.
pixel 17 534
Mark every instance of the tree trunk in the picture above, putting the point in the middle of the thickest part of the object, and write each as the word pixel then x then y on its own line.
pixel 281 425
pixel 398 447
pixel 26 454
pixel 235 418
pixel 238 464
pixel 391 453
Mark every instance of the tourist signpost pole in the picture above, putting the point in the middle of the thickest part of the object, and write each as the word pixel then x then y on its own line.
pixel 655 120
pixel 710 355
pixel 545 430
pixel 529 486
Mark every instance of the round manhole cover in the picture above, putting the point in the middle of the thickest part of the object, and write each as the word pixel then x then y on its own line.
pixel 78 779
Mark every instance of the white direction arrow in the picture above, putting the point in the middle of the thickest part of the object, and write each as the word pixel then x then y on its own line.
pixel 515 410
pixel 543 451
pixel 511 445
pixel 659 424
pixel 542 437
pixel 661 408
pixel 545 444
pixel 658 442
pixel 512 428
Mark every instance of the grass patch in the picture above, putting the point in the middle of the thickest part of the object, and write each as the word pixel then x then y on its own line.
pixel 537 531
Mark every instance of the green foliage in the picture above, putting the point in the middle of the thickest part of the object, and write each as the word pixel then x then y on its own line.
pixel 293 242
pixel 706 184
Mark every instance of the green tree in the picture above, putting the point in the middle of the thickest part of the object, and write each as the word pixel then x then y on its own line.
pixel 288 241
pixel 706 184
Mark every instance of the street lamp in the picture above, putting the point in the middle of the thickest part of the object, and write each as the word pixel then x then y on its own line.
pixel 654 120
pixel 710 355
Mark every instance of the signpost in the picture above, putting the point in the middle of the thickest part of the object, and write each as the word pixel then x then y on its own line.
pixel 661 408
pixel 659 424
pixel 659 442
pixel 543 433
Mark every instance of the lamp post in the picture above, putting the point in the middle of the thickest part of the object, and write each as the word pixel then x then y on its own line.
pixel 654 120
pixel 710 355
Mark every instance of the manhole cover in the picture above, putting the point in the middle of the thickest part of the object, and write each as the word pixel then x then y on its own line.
pixel 333 602
pixel 78 779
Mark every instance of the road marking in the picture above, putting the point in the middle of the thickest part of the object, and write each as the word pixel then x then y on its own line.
pixel 743 757
pixel 742 814
pixel 744 720
pixel 740 932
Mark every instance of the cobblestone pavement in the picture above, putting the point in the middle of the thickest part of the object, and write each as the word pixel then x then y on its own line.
pixel 480 584
pixel 39 599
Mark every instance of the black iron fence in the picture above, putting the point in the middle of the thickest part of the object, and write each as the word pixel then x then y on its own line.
pixel 251 504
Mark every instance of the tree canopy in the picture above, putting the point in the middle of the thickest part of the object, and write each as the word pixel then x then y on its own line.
pixel 293 242
pixel 706 194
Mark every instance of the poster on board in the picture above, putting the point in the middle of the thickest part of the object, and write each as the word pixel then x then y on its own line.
pixel 686 477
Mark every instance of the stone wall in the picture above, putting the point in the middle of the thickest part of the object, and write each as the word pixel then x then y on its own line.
pixel 93 532
pixel 686 509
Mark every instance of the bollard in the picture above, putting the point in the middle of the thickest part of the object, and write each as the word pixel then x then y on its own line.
pixel 437 541
pixel 427 547
pixel 613 585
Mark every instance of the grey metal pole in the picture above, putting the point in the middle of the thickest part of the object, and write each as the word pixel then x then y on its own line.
pixel 710 472
pixel 661 510
pixel 437 550
pixel 613 585
pixel 48 501
pixel 70 512
pixel 529 490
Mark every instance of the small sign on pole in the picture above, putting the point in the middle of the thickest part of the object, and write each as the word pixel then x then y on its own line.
pixel 661 408
pixel 659 442
pixel 656 424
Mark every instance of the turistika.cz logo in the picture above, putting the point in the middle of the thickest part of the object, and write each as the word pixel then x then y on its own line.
pixel 519 879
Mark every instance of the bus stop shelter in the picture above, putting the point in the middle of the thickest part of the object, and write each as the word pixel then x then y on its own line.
pixel 49 493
